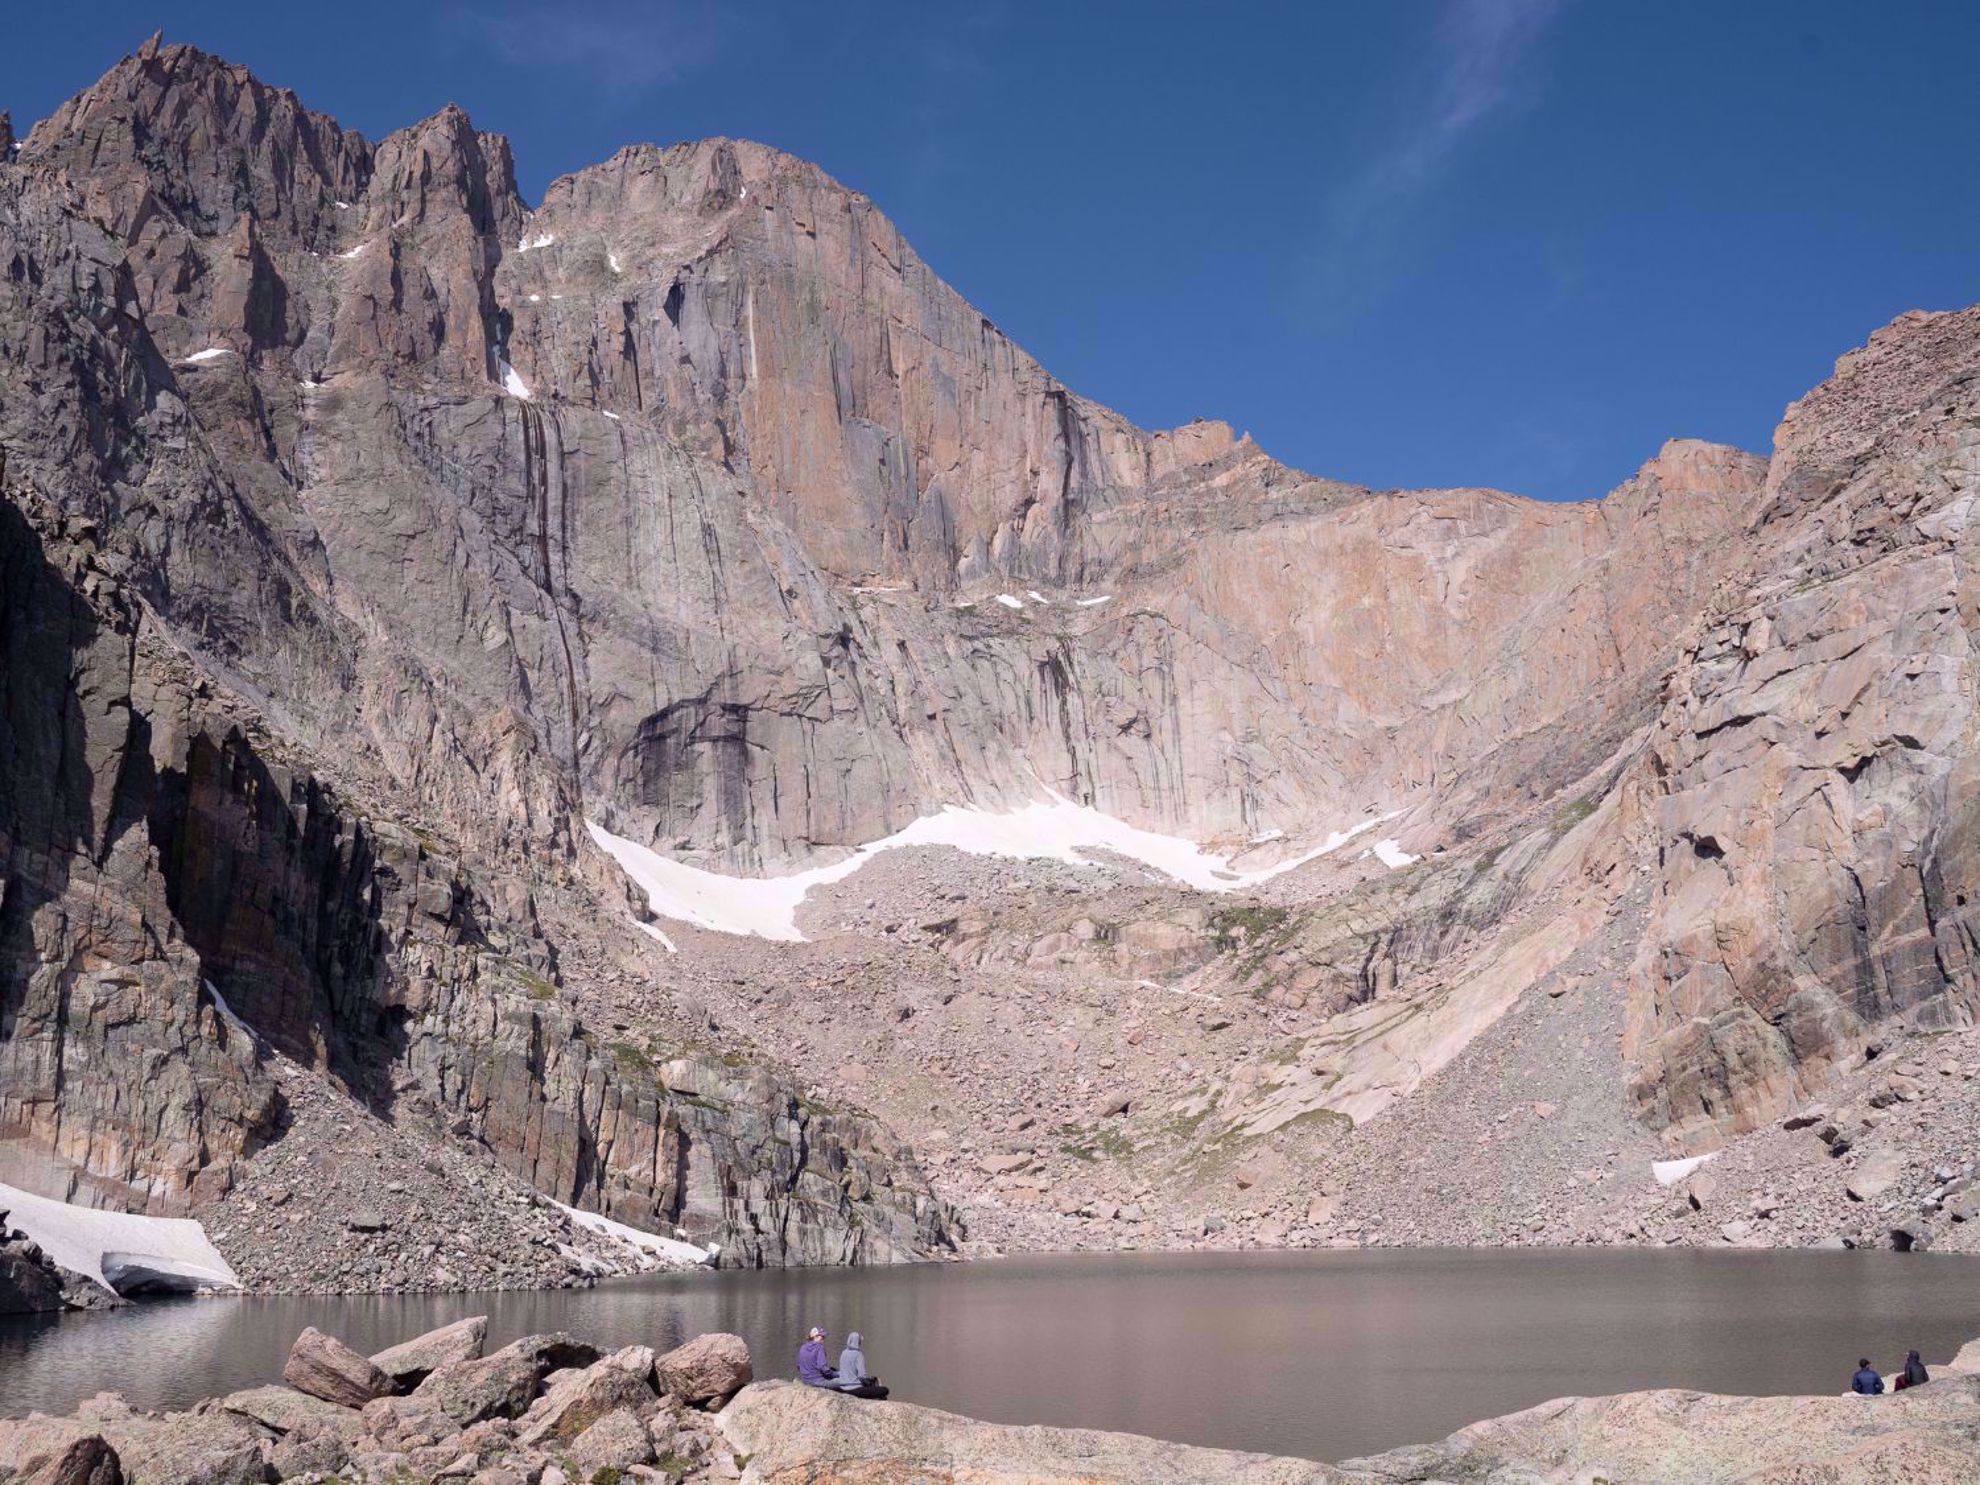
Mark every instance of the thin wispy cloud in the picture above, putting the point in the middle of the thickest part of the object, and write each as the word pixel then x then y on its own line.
pixel 620 48
pixel 1473 72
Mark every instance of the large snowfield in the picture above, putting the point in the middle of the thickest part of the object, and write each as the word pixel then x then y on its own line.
pixel 1054 829
pixel 120 1250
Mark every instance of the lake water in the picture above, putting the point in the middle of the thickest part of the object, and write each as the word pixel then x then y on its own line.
pixel 1321 1354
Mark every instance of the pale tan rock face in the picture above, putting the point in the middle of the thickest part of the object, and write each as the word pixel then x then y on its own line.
pixel 693 502
pixel 1812 772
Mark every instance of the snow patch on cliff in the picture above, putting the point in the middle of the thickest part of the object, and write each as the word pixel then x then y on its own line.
pixel 1054 829
pixel 531 244
pixel 1391 854
pixel 120 1250
pixel 211 353
pixel 1670 1172
pixel 1010 600
pixel 647 1245
pixel 514 385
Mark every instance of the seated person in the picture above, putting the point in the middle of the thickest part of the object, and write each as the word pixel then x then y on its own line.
pixel 812 1368
pixel 1866 1380
pixel 852 1363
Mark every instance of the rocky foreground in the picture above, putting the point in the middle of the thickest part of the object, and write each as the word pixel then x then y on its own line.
pixel 553 1410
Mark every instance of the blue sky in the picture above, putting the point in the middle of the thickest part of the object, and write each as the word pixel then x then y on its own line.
pixel 1404 242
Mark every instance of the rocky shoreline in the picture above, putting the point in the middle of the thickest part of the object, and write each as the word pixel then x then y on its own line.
pixel 553 1409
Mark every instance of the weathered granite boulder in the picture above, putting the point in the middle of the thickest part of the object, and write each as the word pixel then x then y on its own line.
pixel 574 1400
pixel 214 1448
pixel 504 1385
pixel 30 1444
pixel 617 1441
pixel 324 1367
pixel 708 1369
pixel 410 1362
pixel 88 1460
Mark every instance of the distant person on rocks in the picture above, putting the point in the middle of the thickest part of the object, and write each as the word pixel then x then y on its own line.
pixel 1914 1374
pixel 815 1371
pixel 1866 1380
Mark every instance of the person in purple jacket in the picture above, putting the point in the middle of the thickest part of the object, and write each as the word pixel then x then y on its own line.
pixel 812 1367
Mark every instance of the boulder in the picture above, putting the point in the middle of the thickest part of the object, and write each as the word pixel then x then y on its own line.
pixel 286 1410
pixel 88 1460
pixel 1874 1175
pixel 708 1369
pixel 27 1287
pixel 325 1367
pixel 215 1448
pixel 394 1421
pixel 618 1441
pixel 638 1360
pixel 574 1400
pixel 553 1351
pixel 410 1362
pixel 498 1386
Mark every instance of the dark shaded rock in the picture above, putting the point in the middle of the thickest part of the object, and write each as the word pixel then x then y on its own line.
pixel 87 1461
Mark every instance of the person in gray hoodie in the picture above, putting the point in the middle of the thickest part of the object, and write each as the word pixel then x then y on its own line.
pixel 852 1363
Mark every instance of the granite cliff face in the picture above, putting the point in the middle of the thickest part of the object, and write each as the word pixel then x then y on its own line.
pixel 368 530
pixel 1811 778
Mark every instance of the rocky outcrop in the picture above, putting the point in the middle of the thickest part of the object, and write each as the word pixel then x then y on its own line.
pixel 256 907
pixel 1694 1438
pixel 30 1282
pixel 792 1434
pixel 385 529
pixel 1811 777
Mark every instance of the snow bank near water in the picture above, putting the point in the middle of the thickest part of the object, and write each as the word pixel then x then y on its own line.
pixel 1054 829
pixel 647 1244
pixel 120 1251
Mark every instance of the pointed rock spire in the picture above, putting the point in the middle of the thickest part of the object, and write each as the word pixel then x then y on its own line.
pixel 150 48
pixel 6 133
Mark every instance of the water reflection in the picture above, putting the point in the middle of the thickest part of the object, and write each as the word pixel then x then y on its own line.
pixel 1321 1354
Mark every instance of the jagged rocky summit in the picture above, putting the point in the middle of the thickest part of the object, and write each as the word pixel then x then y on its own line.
pixel 367 532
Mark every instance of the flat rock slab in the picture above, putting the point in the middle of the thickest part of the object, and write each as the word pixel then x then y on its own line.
pixel 410 1362
pixel 795 1435
pixel 285 1410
